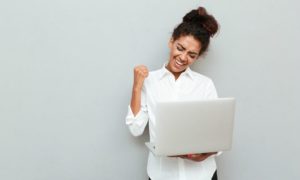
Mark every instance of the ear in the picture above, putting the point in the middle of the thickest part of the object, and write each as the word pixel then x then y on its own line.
pixel 171 41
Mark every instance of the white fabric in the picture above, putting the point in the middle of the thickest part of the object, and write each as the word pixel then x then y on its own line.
pixel 161 85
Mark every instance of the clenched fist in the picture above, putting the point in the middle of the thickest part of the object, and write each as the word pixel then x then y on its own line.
pixel 140 74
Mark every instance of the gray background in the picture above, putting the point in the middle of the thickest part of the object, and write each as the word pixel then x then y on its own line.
pixel 66 77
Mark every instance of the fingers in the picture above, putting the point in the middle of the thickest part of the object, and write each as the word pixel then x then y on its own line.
pixel 181 156
pixel 199 157
pixel 208 154
pixel 195 157
pixel 141 70
pixel 140 73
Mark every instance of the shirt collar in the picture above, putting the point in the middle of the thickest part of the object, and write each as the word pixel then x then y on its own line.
pixel 164 71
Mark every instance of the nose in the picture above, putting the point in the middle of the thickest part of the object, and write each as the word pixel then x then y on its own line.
pixel 184 57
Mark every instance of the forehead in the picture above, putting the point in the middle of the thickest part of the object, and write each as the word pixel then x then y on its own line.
pixel 189 43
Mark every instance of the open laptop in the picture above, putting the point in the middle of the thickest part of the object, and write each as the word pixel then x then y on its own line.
pixel 190 127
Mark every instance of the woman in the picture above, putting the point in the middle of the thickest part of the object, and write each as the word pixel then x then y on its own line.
pixel 176 81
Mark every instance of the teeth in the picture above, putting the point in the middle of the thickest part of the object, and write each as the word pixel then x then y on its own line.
pixel 179 63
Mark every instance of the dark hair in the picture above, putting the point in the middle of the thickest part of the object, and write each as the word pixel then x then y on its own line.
pixel 200 25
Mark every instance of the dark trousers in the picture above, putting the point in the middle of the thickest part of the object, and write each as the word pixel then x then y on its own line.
pixel 215 176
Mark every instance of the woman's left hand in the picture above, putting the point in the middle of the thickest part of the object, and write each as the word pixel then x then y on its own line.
pixel 199 157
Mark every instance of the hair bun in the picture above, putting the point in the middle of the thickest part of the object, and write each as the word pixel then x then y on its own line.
pixel 202 11
pixel 202 18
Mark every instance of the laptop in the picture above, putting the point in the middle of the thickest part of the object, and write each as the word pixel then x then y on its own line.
pixel 191 127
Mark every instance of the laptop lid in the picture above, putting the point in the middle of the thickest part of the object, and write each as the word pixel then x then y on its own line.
pixel 185 127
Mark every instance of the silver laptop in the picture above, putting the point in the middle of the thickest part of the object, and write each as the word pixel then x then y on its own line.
pixel 189 127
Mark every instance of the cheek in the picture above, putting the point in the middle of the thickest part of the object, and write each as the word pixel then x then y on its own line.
pixel 192 61
pixel 175 53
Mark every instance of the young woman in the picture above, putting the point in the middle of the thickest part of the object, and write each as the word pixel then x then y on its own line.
pixel 175 81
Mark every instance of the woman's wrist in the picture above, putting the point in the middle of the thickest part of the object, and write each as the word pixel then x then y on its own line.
pixel 137 89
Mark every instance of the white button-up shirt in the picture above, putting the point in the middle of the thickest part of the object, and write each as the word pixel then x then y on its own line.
pixel 161 85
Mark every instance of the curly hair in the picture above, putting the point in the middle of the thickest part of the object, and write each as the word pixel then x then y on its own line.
pixel 199 24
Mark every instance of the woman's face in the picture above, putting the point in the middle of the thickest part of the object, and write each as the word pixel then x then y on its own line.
pixel 183 52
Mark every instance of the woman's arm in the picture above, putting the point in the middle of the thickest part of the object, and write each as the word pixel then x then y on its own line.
pixel 137 116
pixel 140 73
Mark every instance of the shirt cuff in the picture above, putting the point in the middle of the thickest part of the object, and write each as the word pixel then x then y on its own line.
pixel 130 118
pixel 219 153
pixel 136 123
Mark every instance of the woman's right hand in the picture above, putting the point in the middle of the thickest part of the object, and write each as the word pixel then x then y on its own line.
pixel 140 74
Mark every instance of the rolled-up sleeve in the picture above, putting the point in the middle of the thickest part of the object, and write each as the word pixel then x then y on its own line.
pixel 137 123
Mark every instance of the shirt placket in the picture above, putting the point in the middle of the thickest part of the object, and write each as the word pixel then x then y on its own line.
pixel 173 88
pixel 176 89
pixel 181 166
pixel 181 169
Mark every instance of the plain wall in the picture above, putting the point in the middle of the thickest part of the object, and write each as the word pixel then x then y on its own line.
pixel 66 78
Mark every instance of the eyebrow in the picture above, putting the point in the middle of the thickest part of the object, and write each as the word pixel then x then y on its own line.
pixel 191 52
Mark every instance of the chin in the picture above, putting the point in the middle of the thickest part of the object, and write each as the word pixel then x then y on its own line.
pixel 176 70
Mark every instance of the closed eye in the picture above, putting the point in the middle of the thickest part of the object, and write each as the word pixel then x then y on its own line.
pixel 179 48
pixel 192 56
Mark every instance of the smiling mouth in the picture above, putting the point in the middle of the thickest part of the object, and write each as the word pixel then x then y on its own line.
pixel 178 63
